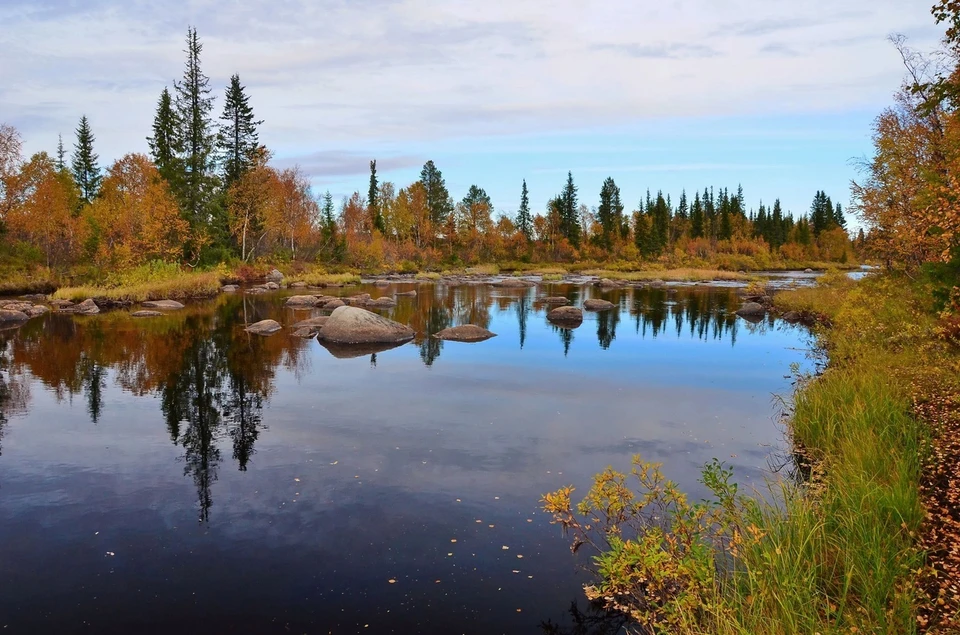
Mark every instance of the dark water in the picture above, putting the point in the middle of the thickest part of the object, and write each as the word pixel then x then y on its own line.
pixel 179 475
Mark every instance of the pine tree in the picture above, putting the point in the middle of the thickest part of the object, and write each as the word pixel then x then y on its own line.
pixel 194 105
pixel 238 139
pixel 839 218
pixel 165 146
pixel 569 216
pixel 609 212
pixel 778 229
pixel 697 220
pixel 61 154
pixel 438 198
pixel 373 201
pixel 524 219
pixel 86 172
pixel 659 224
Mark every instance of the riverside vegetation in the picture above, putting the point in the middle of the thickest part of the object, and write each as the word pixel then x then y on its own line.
pixel 863 539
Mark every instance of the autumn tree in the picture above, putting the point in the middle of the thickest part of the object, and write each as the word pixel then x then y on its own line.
pixel 292 213
pixel 45 214
pixel 247 201
pixel 238 140
pixel 136 219
pixel 86 172
pixel 10 162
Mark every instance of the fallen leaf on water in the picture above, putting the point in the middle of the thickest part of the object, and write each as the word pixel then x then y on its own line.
pixel 504 547
pixel 453 540
pixel 392 581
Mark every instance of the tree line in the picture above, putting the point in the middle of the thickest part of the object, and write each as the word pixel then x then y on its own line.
pixel 208 193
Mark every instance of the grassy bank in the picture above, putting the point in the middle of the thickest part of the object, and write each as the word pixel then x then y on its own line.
pixel 837 553
pixel 149 282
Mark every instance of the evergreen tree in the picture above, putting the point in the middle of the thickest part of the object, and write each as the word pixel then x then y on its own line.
pixel 165 146
pixel 524 219
pixel 682 207
pixel 86 172
pixel 659 224
pixel 373 201
pixel 569 216
pixel 838 217
pixel 238 139
pixel 438 198
pixel 778 230
pixel 609 212
pixel 61 154
pixel 194 105
pixel 697 219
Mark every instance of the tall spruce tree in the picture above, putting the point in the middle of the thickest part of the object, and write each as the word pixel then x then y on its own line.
pixel 569 212
pixel 165 144
pixel 524 218
pixel 238 139
pixel 697 219
pixel 373 200
pixel 194 105
pixel 86 172
pixel 609 212
pixel 438 198
pixel 61 154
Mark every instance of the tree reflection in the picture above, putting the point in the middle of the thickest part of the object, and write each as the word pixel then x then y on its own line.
pixel 594 621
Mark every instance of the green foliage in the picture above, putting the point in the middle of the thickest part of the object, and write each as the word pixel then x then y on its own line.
pixel 86 172
pixel 524 220
pixel 166 145
pixel 439 202
pixel 238 141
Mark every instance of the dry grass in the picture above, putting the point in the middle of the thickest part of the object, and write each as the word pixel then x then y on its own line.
pixel 319 279
pixel 673 275
pixel 184 286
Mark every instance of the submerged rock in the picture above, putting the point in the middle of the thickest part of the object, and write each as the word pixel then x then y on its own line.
pixel 61 304
pixel 514 283
pixel 314 322
pixel 412 293
pixel 36 311
pixel 259 290
pixel 167 305
pixel 751 309
pixel 298 285
pixel 465 333
pixel 555 300
pixel 382 283
pixel 568 316
pixel 335 303
pixel 264 327
pixel 145 314
pixel 352 325
pixel 598 305
pixel 382 303
pixel 305 332
pixel 306 301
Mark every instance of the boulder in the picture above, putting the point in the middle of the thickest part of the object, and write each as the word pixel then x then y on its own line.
pixel 792 316
pixel 34 297
pixel 336 303
pixel 36 311
pixel 271 286
pixel 808 270
pixel 9 316
pixel 314 322
pixel 352 325
pixel 166 305
pixel 607 283
pixel 15 305
pixel 298 285
pixel 412 293
pixel 275 277
pixel 382 283
pixel 303 301
pixel 382 303
pixel 598 305
pixel 326 299
pixel 87 307
pixel 513 283
pixel 751 309
pixel 264 327
pixel 465 333
pixel 229 288
pixel 258 290
pixel 61 304
pixel 305 332
pixel 569 316
pixel 145 314
pixel 555 300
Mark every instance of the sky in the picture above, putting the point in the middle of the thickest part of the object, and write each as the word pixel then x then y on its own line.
pixel 775 95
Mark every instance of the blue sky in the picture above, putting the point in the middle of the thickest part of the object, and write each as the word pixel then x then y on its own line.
pixel 683 94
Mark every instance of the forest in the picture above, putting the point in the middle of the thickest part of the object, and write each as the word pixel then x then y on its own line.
pixel 207 194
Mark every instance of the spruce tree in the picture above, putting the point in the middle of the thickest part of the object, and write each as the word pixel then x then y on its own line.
pixel 238 139
pixel 697 219
pixel 373 201
pixel 839 218
pixel 194 105
pixel 438 198
pixel 524 219
pixel 609 212
pixel 61 154
pixel 86 172
pixel 165 145
pixel 569 216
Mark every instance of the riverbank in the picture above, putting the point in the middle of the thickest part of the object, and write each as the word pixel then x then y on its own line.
pixel 875 488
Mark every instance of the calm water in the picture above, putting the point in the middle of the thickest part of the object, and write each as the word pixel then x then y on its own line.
pixel 179 475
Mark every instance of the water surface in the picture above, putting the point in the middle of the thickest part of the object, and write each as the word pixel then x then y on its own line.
pixel 177 474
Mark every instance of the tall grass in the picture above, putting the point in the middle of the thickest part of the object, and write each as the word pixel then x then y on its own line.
pixel 153 281
pixel 674 275
pixel 319 279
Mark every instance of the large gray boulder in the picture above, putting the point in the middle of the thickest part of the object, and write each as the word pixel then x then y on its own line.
pixel 594 304
pixel 166 305
pixel 274 276
pixel 303 301
pixel 271 285
pixel 352 325
pixel 36 310
pixel 465 333
pixel 9 316
pixel 264 327
pixel 568 316
pixel 751 310
pixel 87 307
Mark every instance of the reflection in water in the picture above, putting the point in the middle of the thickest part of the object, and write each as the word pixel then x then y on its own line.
pixel 594 621
pixel 486 426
